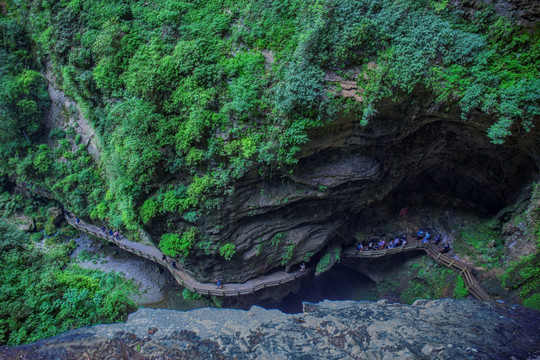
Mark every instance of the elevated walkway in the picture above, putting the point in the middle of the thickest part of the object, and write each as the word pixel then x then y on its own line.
pixel 182 277
pixel 266 281
pixel 473 286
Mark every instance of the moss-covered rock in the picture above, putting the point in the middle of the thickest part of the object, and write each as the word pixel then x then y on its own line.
pixel 50 229
pixel 55 216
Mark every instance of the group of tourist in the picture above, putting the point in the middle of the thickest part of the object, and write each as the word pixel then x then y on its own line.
pixel 382 244
pixel 398 241
pixel 114 234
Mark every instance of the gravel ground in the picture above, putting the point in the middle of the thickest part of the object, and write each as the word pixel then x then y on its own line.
pixel 150 277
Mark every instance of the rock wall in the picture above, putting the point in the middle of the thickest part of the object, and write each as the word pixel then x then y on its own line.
pixel 410 149
pixel 442 329
pixel 525 12
pixel 65 112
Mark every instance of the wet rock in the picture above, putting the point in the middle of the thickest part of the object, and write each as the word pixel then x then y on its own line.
pixel 25 223
pixel 445 329
pixel 56 216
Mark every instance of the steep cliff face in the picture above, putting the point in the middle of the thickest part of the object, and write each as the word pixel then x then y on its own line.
pixel 443 329
pixel 410 150
pixel 524 12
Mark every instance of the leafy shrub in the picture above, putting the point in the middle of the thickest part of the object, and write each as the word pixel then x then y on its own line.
pixel 227 251
pixel 277 240
pixel 460 290
pixel 323 264
pixel 174 245
pixel 149 209
pixel 35 237
pixel 190 295
pixel 50 229
pixel 533 301
pixel 288 254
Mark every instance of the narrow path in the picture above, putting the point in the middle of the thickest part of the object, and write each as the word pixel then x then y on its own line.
pixel 473 286
pixel 182 277
pixel 270 280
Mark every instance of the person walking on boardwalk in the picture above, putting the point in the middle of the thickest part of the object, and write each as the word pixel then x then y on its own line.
pixel 219 284
pixel 78 220
pixel 103 229
pixel 173 264
pixel 445 249
pixel 164 258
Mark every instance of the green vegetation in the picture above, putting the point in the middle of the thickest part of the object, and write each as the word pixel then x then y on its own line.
pixel 43 294
pixel 460 289
pixel 482 241
pixel 227 251
pixel 288 254
pixel 207 91
pixel 190 295
pixel 323 264
pixel 525 276
pixel 308 256
pixel 432 281
pixel 174 245
pixel 188 97
pixel 277 240
pixel 328 260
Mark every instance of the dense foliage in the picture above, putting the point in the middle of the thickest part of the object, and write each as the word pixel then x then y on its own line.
pixel 22 90
pixel 524 274
pixel 42 295
pixel 204 92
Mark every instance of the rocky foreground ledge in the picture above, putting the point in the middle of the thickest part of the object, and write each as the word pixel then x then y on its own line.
pixel 439 329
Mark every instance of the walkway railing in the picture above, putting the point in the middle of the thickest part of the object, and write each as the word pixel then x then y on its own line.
pixel 473 286
pixel 265 281
pixel 181 276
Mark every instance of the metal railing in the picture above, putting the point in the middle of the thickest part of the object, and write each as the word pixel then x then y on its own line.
pixel 472 285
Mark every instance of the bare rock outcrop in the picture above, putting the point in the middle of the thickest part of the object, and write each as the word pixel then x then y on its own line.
pixel 441 329
pixel 524 12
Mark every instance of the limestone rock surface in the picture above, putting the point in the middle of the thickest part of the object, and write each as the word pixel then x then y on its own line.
pixel 440 329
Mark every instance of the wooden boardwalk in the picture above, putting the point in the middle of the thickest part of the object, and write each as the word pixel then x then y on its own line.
pixel 182 277
pixel 266 281
pixel 473 286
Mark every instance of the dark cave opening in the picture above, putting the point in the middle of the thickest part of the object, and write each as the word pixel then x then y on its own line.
pixel 339 283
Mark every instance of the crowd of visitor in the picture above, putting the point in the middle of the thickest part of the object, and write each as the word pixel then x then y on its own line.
pixel 421 235
pixel 114 234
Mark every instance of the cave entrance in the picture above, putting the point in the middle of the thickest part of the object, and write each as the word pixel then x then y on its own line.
pixel 339 283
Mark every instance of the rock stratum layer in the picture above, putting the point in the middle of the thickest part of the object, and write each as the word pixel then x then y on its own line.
pixel 408 152
pixel 441 329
